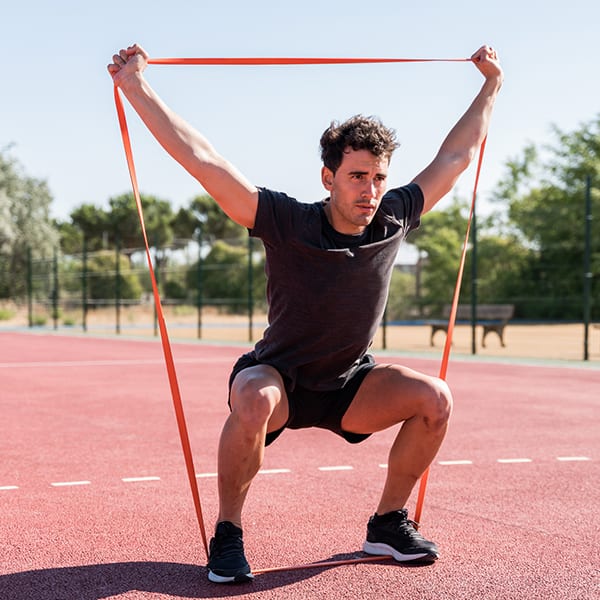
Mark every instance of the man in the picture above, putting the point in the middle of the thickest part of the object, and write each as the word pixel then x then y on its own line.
pixel 329 265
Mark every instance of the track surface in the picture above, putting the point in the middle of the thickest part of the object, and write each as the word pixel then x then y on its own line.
pixel 95 500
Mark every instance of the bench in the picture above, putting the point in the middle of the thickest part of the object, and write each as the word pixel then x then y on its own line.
pixel 492 317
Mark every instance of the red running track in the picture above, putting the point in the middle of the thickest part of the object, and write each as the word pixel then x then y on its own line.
pixel 95 500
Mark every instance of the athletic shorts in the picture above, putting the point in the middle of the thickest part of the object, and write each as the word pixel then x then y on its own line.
pixel 308 408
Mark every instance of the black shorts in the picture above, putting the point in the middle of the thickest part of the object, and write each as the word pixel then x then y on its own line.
pixel 308 408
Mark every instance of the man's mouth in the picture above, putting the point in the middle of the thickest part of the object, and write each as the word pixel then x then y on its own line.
pixel 367 208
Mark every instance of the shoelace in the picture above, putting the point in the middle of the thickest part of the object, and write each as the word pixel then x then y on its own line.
pixel 224 546
pixel 409 528
pixel 405 526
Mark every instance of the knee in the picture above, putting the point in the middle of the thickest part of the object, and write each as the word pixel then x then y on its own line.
pixel 252 402
pixel 437 406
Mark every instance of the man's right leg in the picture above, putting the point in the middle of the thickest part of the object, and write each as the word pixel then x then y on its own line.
pixel 258 405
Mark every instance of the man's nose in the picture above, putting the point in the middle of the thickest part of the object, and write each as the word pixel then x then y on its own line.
pixel 370 190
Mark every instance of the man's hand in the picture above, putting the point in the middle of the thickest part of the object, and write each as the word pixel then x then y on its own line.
pixel 465 138
pixel 129 62
pixel 486 60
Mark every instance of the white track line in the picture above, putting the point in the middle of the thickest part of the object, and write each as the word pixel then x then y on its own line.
pixel 58 484
pixel 273 471
pixel 261 472
pixel 337 468
pixel 69 483
pixel 105 363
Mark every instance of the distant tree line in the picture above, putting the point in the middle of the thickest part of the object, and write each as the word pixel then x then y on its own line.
pixel 530 249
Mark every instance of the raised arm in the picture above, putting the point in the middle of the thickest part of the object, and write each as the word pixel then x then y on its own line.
pixel 232 191
pixel 462 143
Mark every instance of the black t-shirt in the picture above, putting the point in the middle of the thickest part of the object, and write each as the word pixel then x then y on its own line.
pixel 326 291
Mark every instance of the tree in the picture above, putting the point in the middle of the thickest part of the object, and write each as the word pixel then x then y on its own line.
pixel 185 224
pixel 92 223
pixel 102 278
pixel 7 231
pixel 225 277
pixel 104 228
pixel 501 260
pixel 545 192
pixel 214 223
pixel 124 220
pixel 401 299
pixel 26 225
pixel 71 237
pixel 440 236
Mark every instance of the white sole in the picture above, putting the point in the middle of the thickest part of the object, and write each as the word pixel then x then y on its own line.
pixel 380 549
pixel 237 579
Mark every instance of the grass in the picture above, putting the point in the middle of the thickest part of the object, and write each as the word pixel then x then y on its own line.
pixel 6 314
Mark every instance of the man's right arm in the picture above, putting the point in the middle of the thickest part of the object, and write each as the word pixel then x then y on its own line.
pixel 464 140
pixel 232 191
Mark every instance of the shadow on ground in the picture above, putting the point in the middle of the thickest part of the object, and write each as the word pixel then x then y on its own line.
pixel 95 582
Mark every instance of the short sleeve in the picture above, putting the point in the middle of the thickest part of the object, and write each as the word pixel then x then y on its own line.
pixel 279 216
pixel 403 206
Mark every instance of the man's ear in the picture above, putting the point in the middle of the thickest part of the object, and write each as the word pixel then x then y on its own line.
pixel 327 178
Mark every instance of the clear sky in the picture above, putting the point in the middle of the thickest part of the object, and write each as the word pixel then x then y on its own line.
pixel 57 112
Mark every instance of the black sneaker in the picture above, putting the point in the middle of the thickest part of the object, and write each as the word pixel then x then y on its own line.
pixel 394 534
pixel 227 562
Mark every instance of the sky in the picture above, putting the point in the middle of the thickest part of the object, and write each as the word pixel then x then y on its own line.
pixel 58 120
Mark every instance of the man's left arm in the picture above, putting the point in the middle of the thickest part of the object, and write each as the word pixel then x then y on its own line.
pixel 462 143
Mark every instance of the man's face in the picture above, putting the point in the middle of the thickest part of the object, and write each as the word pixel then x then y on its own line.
pixel 355 190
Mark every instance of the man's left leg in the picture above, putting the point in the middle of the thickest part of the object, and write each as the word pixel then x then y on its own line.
pixel 392 394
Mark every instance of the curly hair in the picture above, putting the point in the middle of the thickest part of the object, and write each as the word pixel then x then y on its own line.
pixel 359 133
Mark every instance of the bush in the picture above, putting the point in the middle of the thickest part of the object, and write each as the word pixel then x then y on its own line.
pixel 6 314
pixel 102 278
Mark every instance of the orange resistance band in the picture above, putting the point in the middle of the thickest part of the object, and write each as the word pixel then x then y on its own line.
pixel 164 336
pixel 451 320
pixel 179 413
pixel 293 61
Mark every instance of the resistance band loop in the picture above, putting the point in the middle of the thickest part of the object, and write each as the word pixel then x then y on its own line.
pixel 452 320
pixel 293 61
pixel 179 413
pixel 164 336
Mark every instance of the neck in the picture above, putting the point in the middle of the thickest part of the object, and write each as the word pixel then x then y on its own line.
pixel 359 230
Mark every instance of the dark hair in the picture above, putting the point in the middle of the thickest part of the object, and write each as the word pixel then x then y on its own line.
pixel 359 133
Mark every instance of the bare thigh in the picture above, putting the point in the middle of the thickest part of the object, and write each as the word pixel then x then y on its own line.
pixel 391 394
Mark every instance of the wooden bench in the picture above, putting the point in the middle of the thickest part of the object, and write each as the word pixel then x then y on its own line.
pixel 492 317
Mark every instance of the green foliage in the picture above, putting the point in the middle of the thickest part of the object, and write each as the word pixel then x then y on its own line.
pixel 224 277
pixel 401 301
pixel 24 223
pixel 174 290
pixel 501 264
pixel 91 222
pixel 546 203
pixel 440 237
pixel 6 314
pixel 213 223
pixel 120 224
pixel 39 320
pixel 530 252
pixel 71 237
pixel 184 224
pixel 102 275
pixel 125 225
